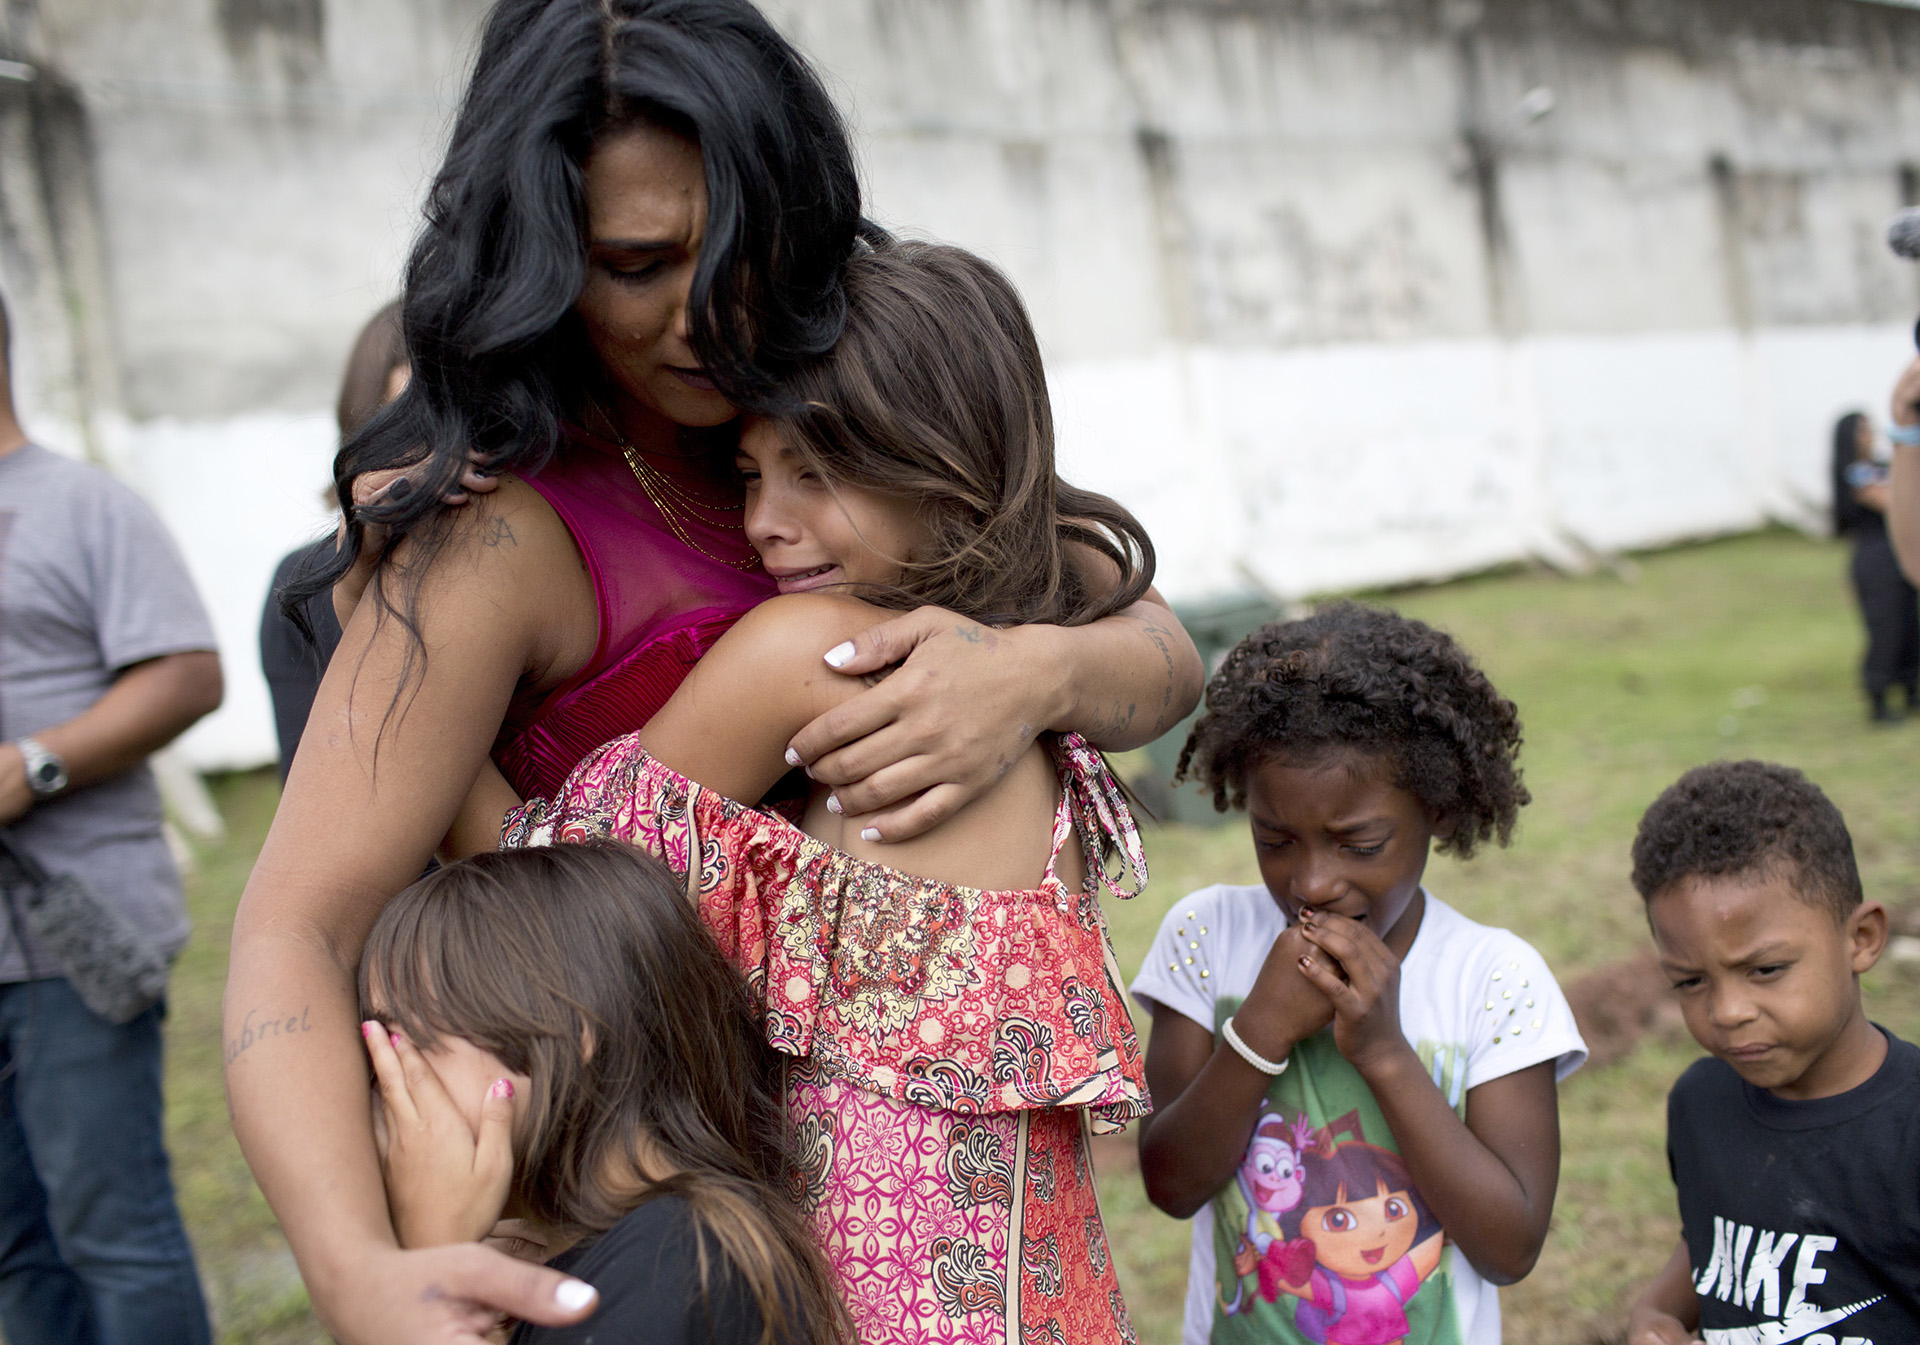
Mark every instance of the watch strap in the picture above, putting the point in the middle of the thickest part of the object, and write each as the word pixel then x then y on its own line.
pixel 46 771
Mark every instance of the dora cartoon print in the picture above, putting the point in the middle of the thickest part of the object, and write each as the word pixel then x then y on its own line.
pixel 1356 1241
pixel 1269 1178
pixel 1374 1243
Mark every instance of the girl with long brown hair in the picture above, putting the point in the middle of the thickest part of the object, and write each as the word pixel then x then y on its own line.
pixel 556 1039
pixel 949 1004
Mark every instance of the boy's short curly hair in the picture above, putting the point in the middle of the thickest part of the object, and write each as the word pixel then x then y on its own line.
pixel 1740 817
pixel 1370 680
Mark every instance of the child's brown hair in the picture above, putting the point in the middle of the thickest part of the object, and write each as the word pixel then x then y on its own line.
pixel 936 392
pixel 1742 817
pixel 586 967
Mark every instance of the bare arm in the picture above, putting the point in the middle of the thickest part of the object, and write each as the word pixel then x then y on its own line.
pixel 967 701
pixel 1128 679
pixel 1903 514
pixel 352 829
pixel 1490 1179
pixel 477 828
pixel 148 706
pixel 1667 1312
pixel 728 724
pixel 1206 1100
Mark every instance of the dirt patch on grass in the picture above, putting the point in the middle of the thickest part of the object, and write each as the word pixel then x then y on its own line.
pixel 1620 1004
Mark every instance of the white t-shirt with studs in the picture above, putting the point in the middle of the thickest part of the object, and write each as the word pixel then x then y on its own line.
pixel 1476 1002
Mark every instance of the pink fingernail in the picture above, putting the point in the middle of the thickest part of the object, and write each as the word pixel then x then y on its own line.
pixel 503 1088
pixel 833 804
pixel 839 654
pixel 367 1029
pixel 394 1037
pixel 793 757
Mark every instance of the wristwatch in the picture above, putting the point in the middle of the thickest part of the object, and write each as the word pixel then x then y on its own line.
pixel 46 772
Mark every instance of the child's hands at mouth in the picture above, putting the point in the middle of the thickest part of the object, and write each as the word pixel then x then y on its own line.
pixel 1360 977
pixel 445 1183
pixel 1284 1005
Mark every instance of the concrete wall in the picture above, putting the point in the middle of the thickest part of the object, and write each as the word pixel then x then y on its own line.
pixel 1328 297
pixel 1328 306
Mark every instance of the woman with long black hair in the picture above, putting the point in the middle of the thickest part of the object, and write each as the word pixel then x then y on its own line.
pixel 1888 603
pixel 639 227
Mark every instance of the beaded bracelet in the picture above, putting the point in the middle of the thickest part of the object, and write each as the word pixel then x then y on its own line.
pixel 1252 1057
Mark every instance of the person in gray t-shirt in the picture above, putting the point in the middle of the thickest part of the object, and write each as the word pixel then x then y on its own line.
pixel 106 655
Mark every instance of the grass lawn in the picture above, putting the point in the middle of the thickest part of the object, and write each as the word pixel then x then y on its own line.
pixel 1746 647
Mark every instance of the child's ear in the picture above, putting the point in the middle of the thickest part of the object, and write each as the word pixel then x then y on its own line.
pixel 1867 935
pixel 1443 825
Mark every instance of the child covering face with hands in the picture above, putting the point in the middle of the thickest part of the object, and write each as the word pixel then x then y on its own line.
pixel 556 1040
pixel 1410 1055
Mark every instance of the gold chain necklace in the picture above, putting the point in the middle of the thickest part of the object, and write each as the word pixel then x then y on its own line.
pixel 659 487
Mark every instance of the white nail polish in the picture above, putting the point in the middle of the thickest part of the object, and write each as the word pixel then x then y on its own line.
pixel 870 834
pixel 833 804
pixel 793 757
pixel 839 654
pixel 575 1294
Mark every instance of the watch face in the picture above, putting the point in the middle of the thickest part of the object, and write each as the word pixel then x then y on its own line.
pixel 46 773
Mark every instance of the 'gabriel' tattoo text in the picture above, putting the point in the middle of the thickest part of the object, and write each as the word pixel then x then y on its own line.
pixel 254 1030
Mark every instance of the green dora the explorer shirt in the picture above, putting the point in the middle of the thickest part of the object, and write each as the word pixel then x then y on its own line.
pixel 1321 1235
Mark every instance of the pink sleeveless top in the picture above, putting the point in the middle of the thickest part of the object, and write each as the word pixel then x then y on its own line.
pixel 662 603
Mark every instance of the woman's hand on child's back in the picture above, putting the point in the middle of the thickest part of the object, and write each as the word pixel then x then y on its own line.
pixel 960 707
pixel 445 1181
pixel 1360 977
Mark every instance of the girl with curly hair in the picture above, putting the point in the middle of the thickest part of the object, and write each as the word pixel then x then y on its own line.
pixel 1342 991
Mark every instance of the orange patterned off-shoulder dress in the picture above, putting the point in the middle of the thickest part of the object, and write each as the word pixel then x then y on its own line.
pixel 951 1048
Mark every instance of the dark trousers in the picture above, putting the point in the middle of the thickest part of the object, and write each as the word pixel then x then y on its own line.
pixel 1892 612
pixel 92 1250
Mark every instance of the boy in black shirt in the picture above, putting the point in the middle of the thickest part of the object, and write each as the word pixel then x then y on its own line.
pixel 1796 1146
